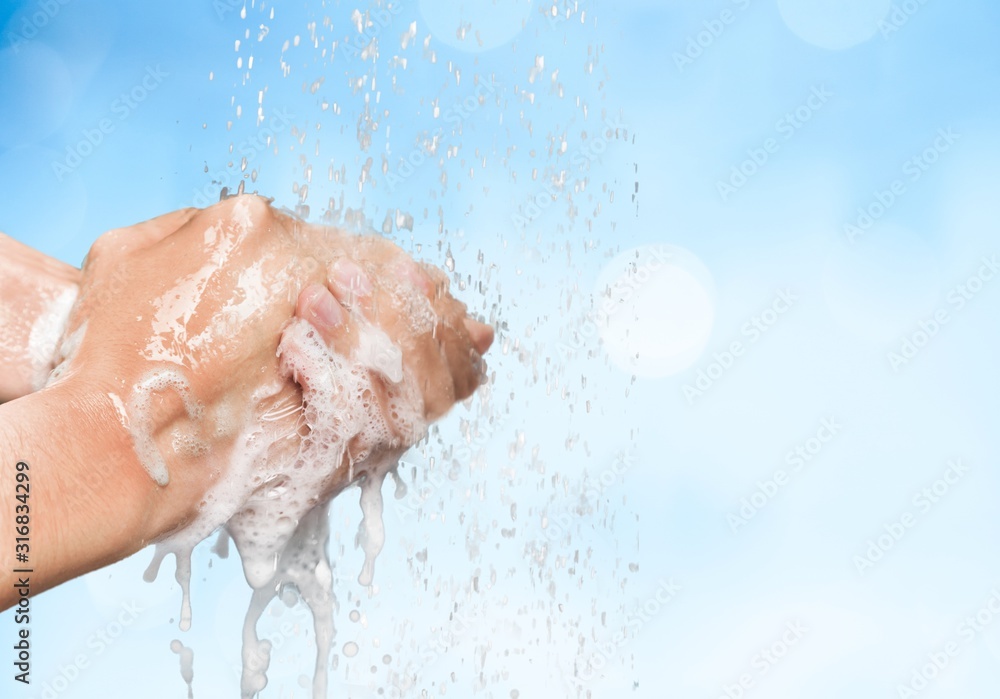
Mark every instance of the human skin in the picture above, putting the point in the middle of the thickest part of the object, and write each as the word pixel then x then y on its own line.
pixel 31 286
pixel 204 294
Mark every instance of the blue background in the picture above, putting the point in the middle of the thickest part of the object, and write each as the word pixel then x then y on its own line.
pixel 529 560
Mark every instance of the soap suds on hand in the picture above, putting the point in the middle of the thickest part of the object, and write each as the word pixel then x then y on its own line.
pixel 45 333
pixel 273 503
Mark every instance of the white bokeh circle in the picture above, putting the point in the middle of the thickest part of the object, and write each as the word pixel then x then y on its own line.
pixel 475 25
pixel 834 24
pixel 654 309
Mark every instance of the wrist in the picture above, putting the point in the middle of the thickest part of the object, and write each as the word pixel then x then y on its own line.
pixel 37 297
pixel 172 443
pixel 88 505
pixel 120 489
pixel 150 510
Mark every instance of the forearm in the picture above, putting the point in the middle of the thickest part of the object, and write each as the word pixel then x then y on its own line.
pixel 84 500
pixel 36 295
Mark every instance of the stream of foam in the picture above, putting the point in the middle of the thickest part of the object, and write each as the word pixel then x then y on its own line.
pixel 187 664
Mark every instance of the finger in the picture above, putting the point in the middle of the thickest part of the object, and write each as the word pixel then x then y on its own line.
pixel 446 363
pixel 350 285
pixel 438 280
pixel 408 271
pixel 390 260
pixel 480 334
pixel 318 307
pixel 427 364
pixel 335 326
pixel 463 361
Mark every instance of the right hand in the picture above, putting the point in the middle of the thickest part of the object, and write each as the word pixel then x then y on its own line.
pixel 375 283
pixel 379 351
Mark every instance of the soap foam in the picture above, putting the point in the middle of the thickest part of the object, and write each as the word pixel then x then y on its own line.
pixel 140 405
pixel 46 331
pixel 187 664
pixel 273 502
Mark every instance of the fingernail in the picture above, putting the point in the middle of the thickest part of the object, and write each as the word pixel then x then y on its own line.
pixel 325 310
pixel 351 277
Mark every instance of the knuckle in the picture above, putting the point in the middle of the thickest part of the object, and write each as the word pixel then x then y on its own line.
pixel 258 209
pixel 103 246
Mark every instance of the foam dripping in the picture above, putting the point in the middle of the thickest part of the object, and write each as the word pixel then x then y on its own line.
pixel 273 503
pixel 187 664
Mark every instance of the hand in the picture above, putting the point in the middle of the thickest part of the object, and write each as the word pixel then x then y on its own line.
pixel 376 361
pixel 170 361
pixel 176 337
pixel 183 301
pixel 442 346
pixel 431 340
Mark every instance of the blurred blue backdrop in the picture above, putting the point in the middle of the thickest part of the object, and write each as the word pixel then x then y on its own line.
pixel 742 255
